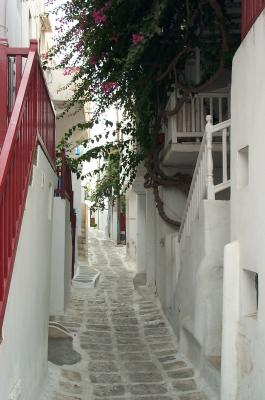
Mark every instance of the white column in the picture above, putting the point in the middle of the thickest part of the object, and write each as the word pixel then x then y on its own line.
pixel 210 184
pixel 131 225
pixel 150 238
pixel 229 370
pixel 3 29
pixel 140 232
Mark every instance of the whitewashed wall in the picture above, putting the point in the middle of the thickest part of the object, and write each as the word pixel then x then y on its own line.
pixel 174 204
pixel 131 225
pixel 23 352
pixel 76 186
pixel 245 348
pixel 199 287
pixel 19 21
pixel 189 280
pixel 113 222
pixel 61 264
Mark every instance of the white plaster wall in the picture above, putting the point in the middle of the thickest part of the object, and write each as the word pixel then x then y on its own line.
pixel 150 242
pixel 131 225
pixel 76 186
pixel 198 291
pixel 189 279
pixel 103 221
pixel 247 210
pixel 199 285
pixel 68 256
pixel 23 352
pixel 15 21
pixel 174 204
pixel 61 264
pixel 114 233
pixel 141 238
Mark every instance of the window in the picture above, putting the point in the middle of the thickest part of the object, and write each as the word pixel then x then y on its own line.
pixel 243 167
pixel 250 293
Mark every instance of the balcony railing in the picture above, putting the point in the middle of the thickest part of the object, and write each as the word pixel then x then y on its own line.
pixel 189 122
pixel 251 9
pixel 27 118
pixel 203 185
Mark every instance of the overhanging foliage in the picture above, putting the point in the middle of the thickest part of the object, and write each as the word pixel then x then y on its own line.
pixel 128 54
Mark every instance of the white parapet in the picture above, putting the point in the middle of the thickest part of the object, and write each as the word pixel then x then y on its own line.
pixel 229 370
pixel 23 351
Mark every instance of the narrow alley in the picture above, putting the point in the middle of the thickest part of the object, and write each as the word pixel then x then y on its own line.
pixel 127 348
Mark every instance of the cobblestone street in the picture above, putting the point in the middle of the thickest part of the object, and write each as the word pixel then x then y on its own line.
pixel 127 348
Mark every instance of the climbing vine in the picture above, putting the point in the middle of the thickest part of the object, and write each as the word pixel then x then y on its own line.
pixel 131 54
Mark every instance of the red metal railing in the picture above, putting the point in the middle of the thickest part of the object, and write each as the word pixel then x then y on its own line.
pixel 25 120
pixel 251 9
pixel 65 191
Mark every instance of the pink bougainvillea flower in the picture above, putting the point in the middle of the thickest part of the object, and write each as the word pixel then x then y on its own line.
pixel 137 38
pixel 92 60
pixel 78 45
pixel 71 70
pixel 83 20
pixel 108 87
pixel 115 38
pixel 44 56
pixel 99 17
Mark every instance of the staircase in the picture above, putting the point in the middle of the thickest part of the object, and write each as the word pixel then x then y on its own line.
pixel 27 120
pixel 203 185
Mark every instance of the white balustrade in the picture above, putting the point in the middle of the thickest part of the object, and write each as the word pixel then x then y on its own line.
pixel 202 185
pixel 189 122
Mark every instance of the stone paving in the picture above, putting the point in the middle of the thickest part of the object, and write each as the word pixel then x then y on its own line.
pixel 128 350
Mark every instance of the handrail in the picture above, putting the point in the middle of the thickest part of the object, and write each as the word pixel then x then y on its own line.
pixel 32 115
pixel 202 185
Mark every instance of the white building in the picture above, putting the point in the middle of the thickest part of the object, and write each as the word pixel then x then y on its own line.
pixel 208 274
pixel 32 257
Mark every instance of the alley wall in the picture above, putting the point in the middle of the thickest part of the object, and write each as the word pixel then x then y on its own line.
pixel 61 260
pixel 187 276
pixel 23 351
pixel 245 315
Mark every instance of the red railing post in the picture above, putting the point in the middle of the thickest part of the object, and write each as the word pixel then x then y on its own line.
pixel 34 47
pixel 3 89
pixel 250 10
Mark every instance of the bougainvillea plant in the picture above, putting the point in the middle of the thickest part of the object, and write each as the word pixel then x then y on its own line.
pixel 131 54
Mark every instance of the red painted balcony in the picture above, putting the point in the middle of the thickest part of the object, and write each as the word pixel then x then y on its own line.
pixel 27 119
pixel 251 9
